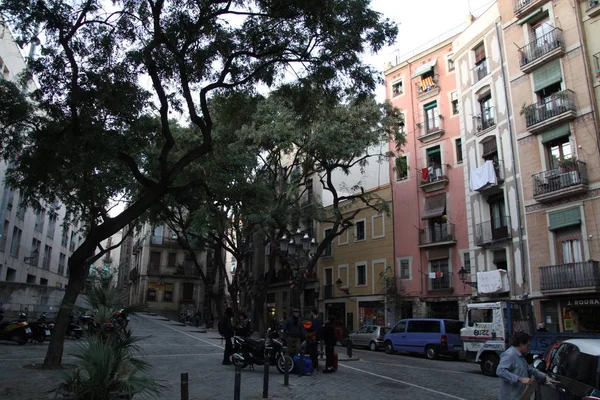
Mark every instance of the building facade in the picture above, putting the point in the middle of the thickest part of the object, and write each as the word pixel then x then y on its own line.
pixel 431 243
pixel 556 131
pixel 351 270
pixel 497 245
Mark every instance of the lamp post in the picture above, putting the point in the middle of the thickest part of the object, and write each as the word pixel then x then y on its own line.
pixel 463 274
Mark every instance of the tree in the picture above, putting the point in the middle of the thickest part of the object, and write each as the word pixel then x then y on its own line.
pixel 85 143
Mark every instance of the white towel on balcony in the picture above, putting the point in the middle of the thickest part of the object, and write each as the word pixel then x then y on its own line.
pixel 483 175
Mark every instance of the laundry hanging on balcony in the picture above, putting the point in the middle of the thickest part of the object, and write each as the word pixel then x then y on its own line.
pixel 435 275
pixel 483 175
pixel 495 281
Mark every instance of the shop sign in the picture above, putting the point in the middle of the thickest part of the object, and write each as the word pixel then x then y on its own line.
pixel 583 302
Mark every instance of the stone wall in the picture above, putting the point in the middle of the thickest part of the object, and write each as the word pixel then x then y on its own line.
pixel 15 297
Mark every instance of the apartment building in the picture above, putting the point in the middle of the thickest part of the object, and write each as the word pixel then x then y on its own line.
pixel 555 126
pixel 431 244
pixel 351 269
pixel 496 264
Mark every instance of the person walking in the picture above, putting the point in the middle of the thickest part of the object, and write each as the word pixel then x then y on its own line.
pixel 226 330
pixel 513 370
pixel 328 335
pixel 294 332
pixel 313 336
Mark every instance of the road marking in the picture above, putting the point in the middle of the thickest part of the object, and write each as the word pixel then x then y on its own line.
pixel 403 382
pixel 413 367
pixel 185 333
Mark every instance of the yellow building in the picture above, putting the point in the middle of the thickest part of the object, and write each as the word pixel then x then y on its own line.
pixel 350 271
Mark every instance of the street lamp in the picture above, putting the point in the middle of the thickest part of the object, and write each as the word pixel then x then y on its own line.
pixel 339 285
pixel 298 251
pixel 463 274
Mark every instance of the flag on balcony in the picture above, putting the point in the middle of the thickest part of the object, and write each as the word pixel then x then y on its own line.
pixel 427 83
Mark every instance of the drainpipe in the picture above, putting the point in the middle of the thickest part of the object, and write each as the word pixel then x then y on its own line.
pixel 514 162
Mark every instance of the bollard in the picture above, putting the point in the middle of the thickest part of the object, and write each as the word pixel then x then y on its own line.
pixel 238 377
pixel 286 372
pixel 184 386
pixel 266 375
pixel 349 347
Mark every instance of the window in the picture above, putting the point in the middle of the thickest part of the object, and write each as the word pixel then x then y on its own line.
pixel 480 315
pixel 480 69
pixel 21 211
pixel 402 124
pixel 33 257
pixel 151 296
pixel 454 102
pixel 399 328
pixel 11 275
pixel 397 88
pixel 188 292
pixel 359 230
pixel 64 240
pixel 43 282
pixel 486 108
pixel 62 261
pixel 31 279
pixel 51 225
pixel 597 60
pixel 47 257
pixel 434 164
pixel 458 149
pixel 401 168
pixel 377 226
pixel 569 245
pixel 15 244
pixel 328 250
pixel 541 30
pixel 39 220
pixel 4 236
pixel 440 274
pixel 344 237
pixel 361 275
pixel 421 326
pixel 168 296
pixel 11 199
pixel 467 261
pixel 72 243
pixel 154 264
pixel 499 219
pixel 558 150
pixel 404 268
pixel 432 118
pixel 172 260
pixel 450 61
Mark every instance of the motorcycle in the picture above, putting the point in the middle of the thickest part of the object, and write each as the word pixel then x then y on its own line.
pixel 16 331
pixel 73 330
pixel 120 318
pixel 252 352
pixel 39 330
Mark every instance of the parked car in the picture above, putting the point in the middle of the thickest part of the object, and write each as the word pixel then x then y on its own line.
pixel 575 364
pixel 428 336
pixel 370 336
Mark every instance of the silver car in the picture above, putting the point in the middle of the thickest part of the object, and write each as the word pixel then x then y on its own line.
pixel 370 336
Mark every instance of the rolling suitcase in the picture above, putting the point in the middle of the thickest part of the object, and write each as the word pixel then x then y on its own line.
pixel 335 361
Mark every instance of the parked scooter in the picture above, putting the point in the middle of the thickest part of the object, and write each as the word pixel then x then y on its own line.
pixel 39 330
pixel 250 352
pixel 120 318
pixel 16 331
pixel 73 330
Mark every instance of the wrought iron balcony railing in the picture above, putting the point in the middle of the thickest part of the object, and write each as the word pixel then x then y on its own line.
pixel 555 104
pixel 495 230
pixel 434 173
pixel 480 71
pixel 561 178
pixel 438 234
pixel 442 283
pixel 519 5
pixel 541 46
pixel 570 276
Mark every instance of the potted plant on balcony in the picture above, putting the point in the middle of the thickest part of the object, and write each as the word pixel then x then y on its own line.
pixel 568 164
pixel 528 110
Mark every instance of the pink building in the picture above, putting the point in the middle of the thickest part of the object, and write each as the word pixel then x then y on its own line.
pixel 428 187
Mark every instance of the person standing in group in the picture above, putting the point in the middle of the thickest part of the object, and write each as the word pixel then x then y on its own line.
pixel 294 332
pixel 226 330
pixel 313 336
pixel 328 335
pixel 514 371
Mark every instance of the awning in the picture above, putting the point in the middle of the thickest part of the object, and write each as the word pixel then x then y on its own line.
pixel 434 206
pixel 421 69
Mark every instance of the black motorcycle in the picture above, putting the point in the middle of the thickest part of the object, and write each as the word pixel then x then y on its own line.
pixel 73 330
pixel 39 330
pixel 252 352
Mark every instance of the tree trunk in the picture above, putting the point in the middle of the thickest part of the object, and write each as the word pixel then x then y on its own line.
pixel 77 278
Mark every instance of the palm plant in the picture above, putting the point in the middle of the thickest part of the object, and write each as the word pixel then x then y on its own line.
pixel 108 369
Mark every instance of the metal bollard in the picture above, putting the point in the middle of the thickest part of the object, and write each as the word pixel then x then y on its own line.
pixel 184 386
pixel 266 375
pixel 349 347
pixel 286 372
pixel 238 377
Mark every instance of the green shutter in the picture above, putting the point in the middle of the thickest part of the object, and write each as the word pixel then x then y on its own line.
pixel 563 130
pixel 430 105
pixel 535 15
pixel 547 75
pixel 564 218
pixel 433 150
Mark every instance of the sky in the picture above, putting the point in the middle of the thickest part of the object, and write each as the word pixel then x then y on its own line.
pixel 420 23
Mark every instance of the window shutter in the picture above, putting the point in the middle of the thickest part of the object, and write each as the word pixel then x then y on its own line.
pixel 556 133
pixel 430 106
pixel 565 218
pixel 547 75
pixel 479 53
pixel 489 147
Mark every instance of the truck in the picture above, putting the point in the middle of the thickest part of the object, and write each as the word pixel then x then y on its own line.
pixel 488 328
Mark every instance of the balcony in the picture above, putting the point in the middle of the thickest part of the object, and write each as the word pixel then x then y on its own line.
pixel 493 187
pixel 427 87
pixel 485 121
pixel 522 7
pixel 328 292
pixel 491 232
pixel 560 182
pixel 594 9
pixel 480 71
pixel 433 178
pixel 441 284
pixel 166 241
pixel 439 235
pixel 433 129
pixel 553 110
pixel 543 49
pixel 578 277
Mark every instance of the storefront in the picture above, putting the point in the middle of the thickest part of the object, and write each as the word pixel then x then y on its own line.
pixel 371 313
pixel 581 314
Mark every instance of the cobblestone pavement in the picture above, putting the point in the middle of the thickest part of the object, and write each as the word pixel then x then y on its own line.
pixel 173 349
